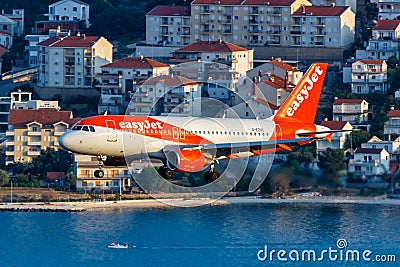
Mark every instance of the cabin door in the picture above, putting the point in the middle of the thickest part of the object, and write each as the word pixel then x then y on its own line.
pixel 112 131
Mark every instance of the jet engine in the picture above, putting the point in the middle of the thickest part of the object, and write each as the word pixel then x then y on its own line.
pixel 188 160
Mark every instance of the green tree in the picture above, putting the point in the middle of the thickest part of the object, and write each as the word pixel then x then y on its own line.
pixel 4 178
pixel 331 162
pixel 356 138
pixel 304 155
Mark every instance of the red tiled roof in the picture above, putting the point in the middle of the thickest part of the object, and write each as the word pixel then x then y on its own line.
pixel 167 80
pixel 334 125
pixel 4 33
pixel 221 2
pixel 56 175
pixel 71 41
pixel 348 101
pixel 135 63
pixel 22 117
pixel 368 150
pixel 386 25
pixel 320 11
pixel 371 61
pixel 211 46
pixel 170 11
pixel 282 65
pixel 276 82
pixel 269 3
pixel 393 113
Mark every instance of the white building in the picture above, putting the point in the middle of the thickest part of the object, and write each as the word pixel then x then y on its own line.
pixel 168 26
pixel 322 26
pixel 387 9
pixel 17 27
pixel 120 79
pixel 390 146
pixel 370 162
pixel 240 59
pixel 69 10
pixel 354 111
pixel 72 61
pixel 167 94
pixel 32 47
pixel 385 40
pixel 392 126
pixel 338 139
pixel 369 76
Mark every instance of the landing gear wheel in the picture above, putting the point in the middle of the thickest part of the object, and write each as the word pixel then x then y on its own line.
pixel 166 172
pixel 211 176
pixel 99 173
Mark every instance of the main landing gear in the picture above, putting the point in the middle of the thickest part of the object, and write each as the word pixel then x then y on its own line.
pixel 166 172
pixel 100 173
pixel 211 175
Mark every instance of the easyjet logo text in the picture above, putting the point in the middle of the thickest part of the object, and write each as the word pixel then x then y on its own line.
pixel 141 125
pixel 303 95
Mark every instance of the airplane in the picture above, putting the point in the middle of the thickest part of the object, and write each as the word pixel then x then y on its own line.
pixel 192 144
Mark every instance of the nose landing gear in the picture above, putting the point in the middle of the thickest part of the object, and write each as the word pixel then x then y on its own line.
pixel 100 173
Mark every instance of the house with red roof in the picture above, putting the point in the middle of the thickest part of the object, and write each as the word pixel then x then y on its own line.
pixel 369 76
pixel 31 131
pixel 120 79
pixel 384 41
pixel 240 59
pixel 338 139
pixel 167 94
pixel 370 164
pixel 323 26
pixel 354 111
pixel 72 61
pixel 168 25
pixel 392 126
pixel 69 10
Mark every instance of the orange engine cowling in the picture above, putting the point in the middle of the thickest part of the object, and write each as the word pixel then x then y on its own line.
pixel 188 160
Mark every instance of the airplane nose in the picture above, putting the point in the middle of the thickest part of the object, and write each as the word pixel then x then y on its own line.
pixel 65 141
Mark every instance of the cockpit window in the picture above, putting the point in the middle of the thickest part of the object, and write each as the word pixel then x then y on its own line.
pixel 77 128
pixel 85 128
pixel 91 128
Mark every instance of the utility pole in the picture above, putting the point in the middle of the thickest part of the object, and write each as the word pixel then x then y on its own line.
pixel 11 192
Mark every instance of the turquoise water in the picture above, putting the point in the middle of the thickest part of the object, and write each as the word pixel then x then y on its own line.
pixel 203 236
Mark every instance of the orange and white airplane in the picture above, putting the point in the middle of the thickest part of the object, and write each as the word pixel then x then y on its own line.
pixel 191 144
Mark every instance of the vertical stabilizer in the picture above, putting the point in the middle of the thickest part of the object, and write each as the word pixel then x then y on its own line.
pixel 301 105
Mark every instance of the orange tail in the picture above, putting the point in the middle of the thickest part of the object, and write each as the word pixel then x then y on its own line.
pixel 301 105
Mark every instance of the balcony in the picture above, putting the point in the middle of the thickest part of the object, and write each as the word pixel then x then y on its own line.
pixel 33 153
pixel 295 32
pixel 9 143
pixel 9 133
pixel 34 133
pixel 10 153
pixel 58 133
pixel 34 143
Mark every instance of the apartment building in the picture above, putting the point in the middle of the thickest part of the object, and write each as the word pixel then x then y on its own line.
pixel 240 59
pixel 387 9
pixel 321 26
pixel 69 10
pixel 338 139
pixel 115 177
pixel 33 48
pixel 167 94
pixel 354 111
pixel 248 22
pixel 369 76
pixel 351 3
pixel 385 40
pixel 30 131
pixel 120 79
pixel 168 26
pixel 392 126
pixel 72 61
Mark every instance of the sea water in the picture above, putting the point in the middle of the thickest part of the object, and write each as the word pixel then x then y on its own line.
pixel 231 235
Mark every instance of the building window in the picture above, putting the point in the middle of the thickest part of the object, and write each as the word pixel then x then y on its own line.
pixel 75 8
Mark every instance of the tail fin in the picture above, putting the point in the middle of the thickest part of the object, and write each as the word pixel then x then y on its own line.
pixel 301 105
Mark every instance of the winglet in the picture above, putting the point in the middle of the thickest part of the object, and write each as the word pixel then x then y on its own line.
pixel 301 105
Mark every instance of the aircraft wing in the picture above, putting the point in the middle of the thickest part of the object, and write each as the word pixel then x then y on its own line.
pixel 258 147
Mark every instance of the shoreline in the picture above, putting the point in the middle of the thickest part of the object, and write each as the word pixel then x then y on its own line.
pixel 182 202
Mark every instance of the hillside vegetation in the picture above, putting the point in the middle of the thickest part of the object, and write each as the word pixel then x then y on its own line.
pixel 120 20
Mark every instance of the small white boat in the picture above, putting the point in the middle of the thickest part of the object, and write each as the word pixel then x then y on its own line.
pixel 114 245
